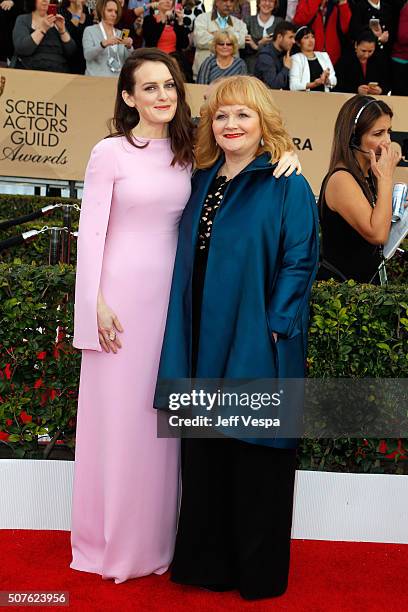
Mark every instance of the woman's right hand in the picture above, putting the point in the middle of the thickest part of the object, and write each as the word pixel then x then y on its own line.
pixel 108 326
pixel 250 41
pixel 113 40
pixel 363 90
pixel 265 40
pixel 384 167
pixel 322 78
pixel 325 75
pixel 47 22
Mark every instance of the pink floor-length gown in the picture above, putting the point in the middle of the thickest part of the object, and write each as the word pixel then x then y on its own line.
pixel 126 480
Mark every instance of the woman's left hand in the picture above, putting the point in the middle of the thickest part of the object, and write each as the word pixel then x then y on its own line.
pixel 128 42
pixel 383 38
pixel 60 24
pixel 288 163
pixel 7 5
pixel 179 16
pixel 275 336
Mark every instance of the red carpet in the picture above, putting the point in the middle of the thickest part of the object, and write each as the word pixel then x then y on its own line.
pixel 325 577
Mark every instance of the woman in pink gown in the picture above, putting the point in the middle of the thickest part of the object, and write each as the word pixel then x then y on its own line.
pixel 126 480
pixel 125 496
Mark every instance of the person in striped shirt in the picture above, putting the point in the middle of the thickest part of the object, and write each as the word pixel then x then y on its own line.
pixel 222 62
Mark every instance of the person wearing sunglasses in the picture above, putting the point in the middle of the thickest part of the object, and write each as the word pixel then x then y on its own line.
pixel 223 61
pixel 220 18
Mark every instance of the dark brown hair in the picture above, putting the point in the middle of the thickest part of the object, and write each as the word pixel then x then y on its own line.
pixel 348 134
pixel 126 118
pixel 283 27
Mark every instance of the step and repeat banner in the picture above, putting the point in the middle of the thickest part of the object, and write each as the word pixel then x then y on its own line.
pixel 49 123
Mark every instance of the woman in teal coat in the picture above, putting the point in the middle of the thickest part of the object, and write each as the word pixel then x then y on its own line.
pixel 239 305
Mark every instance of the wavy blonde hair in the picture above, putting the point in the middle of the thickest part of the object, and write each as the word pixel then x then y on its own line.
pixel 250 92
pixel 223 36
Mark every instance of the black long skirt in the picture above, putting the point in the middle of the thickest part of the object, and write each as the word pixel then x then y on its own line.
pixel 235 517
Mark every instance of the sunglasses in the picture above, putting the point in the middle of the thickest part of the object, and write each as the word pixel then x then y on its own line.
pixel 224 44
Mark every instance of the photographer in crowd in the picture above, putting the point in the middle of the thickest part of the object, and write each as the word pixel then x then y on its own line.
pixel 167 32
pixel 362 70
pixel 77 18
pixel 41 40
pixel 376 15
pixel 260 30
pixel 105 49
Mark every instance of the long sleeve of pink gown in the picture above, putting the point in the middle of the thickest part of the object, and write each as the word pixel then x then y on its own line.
pixel 93 224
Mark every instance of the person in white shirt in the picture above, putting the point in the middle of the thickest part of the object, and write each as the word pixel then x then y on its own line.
pixel 205 25
pixel 105 51
pixel 311 70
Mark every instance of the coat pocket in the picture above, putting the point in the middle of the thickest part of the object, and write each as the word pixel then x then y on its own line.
pixel 274 346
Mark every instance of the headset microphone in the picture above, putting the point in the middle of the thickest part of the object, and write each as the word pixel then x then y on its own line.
pixel 353 144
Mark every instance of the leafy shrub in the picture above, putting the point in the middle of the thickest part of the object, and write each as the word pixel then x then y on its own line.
pixel 356 331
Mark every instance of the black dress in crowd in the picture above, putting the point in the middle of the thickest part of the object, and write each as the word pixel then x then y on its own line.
pixel 315 72
pixel 7 21
pixel 77 61
pixel 350 73
pixel 50 55
pixel 345 253
pixel 363 11
pixel 236 509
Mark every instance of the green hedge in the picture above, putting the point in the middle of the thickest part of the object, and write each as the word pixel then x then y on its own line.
pixel 37 249
pixel 356 330
pixel 17 205
pixel 39 371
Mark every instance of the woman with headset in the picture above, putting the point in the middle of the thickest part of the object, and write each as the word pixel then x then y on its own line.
pixel 356 196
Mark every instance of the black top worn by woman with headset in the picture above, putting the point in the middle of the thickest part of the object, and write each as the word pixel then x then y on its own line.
pixel 355 201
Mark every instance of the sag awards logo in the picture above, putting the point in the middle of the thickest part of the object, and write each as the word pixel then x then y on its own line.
pixel 33 126
pixel 303 145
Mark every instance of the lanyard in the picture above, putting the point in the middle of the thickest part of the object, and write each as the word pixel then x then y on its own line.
pixel 114 47
pixel 114 62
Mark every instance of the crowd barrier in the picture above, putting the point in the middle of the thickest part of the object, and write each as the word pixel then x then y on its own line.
pixel 60 236
pixel 50 122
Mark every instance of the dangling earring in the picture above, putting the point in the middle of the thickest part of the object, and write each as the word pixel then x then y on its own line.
pixel 262 143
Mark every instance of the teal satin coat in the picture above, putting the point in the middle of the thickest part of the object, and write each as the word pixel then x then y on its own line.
pixel 261 265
